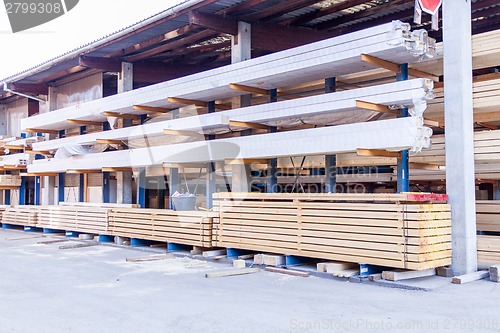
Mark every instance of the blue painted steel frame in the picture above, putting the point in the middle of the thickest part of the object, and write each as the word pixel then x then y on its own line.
pixel 331 160
pixel 141 188
pixel 272 177
pixel 60 188
pixel 22 191
pixel 403 162
pixel 105 187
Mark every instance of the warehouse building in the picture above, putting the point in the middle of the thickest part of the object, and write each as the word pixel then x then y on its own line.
pixel 304 128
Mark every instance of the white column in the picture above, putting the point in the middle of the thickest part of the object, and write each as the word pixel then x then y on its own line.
pixel 241 50
pixel 49 183
pixel 459 136
pixel 124 179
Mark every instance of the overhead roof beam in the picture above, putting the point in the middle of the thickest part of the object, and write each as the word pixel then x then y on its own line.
pixel 266 36
pixel 105 64
pixel 326 11
pixel 31 88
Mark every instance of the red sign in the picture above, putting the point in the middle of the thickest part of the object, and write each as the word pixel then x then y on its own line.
pixel 430 6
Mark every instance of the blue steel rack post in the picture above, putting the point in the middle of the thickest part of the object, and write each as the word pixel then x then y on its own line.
pixel 403 161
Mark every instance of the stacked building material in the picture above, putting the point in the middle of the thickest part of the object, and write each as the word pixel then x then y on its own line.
pixel 181 227
pixel 21 215
pixel 488 249
pixel 380 229
pixel 93 220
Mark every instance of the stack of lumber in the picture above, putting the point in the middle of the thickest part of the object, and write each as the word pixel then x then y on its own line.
pixel 488 249
pixel 394 230
pixel 2 209
pixel 21 215
pixel 98 205
pixel 92 220
pixel 488 215
pixel 7 181
pixel 162 225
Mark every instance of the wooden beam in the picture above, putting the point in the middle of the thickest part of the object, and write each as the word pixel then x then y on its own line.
pixel 111 142
pixel 479 275
pixel 78 171
pixel 14 147
pixel 488 126
pixel 104 64
pixel 432 123
pixel 239 271
pixel 375 107
pixel 249 89
pixel 31 88
pixel 150 108
pixel 41 174
pixel 84 122
pixel 376 153
pixel 390 66
pixel 427 166
pixel 195 102
pixel 246 161
pixel 120 115
pixel 217 23
pixel 124 169
pixel 38 152
pixel 187 101
pixel 487 117
pixel 14 167
pixel 40 130
pixel 183 133
pixel 234 123
pixel 416 73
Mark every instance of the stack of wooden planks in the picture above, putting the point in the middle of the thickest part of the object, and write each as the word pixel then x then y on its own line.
pixel 182 227
pixel 8 181
pixel 21 215
pixel 2 209
pixel 488 215
pixel 92 220
pixel 488 249
pixel 394 230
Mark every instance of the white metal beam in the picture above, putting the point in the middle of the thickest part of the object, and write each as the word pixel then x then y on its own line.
pixel 332 57
pixel 392 134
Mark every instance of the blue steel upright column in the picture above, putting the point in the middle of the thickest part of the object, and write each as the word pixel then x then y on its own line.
pixel 60 188
pixel 331 160
pixel 403 161
pixel 81 177
pixel 272 177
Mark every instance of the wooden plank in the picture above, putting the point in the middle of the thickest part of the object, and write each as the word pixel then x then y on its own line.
pixel 111 142
pixel 40 130
pixel 121 115
pixel 399 275
pixel 375 107
pixel 151 108
pixel 479 275
pixel 286 271
pixel 151 258
pixel 84 122
pixel 249 89
pixel 76 246
pixel 377 152
pixel 235 123
pixel 239 271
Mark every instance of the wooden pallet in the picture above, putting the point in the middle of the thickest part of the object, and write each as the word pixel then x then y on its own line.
pixel 488 249
pixel 21 215
pixel 92 220
pixel 366 230
pixel 182 227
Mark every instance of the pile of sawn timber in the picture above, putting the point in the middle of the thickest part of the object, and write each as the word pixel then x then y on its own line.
pixel 411 231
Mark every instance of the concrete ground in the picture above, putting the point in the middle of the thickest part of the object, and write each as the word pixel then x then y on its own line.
pixel 93 289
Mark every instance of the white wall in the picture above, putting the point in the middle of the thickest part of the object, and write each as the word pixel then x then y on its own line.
pixel 16 111
pixel 76 92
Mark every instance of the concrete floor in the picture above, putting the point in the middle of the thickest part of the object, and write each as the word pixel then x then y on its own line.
pixel 93 289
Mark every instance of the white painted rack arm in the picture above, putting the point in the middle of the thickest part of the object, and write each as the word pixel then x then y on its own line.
pixel 332 57
pixel 319 109
pixel 393 134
